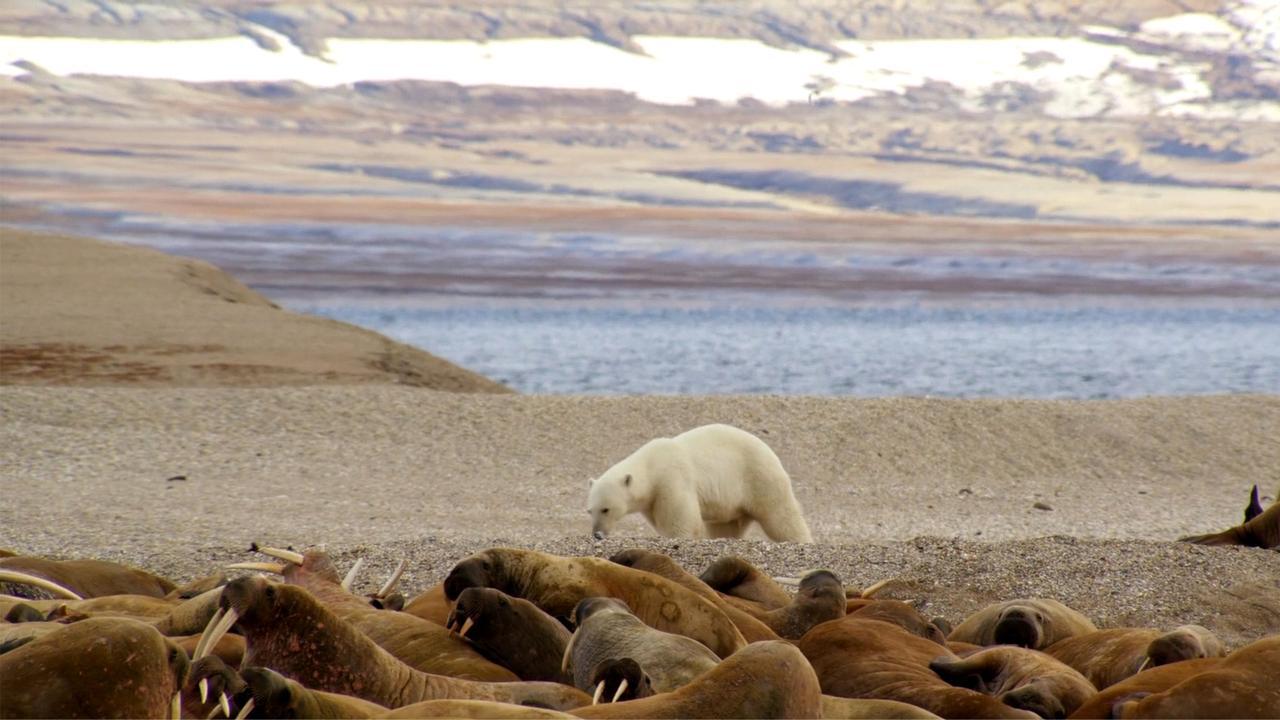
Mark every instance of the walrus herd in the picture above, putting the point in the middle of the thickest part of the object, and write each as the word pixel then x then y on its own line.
pixel 512 633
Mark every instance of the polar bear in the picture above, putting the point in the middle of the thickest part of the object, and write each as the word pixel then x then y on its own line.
pixel 711 481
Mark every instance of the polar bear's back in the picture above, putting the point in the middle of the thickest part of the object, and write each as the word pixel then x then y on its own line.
pixel 731 467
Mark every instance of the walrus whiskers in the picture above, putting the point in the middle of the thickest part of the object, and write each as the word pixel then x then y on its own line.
pixel 392 581
pixel 595 699
pixel 286 555
pixel 36 581
pixel 351 574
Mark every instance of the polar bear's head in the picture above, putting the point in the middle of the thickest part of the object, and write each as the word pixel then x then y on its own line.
pixel 608 502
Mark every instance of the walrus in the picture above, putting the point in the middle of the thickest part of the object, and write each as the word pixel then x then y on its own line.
pixel 619 680
pixel 212 683
pixel 98 667
pixel 22 612
pixel 1147 682
pixel 820 598
pixel 430 605
pixel 899 613
pixel 838 708
pixel 474 709
pixel 1246 684
pixel 421 645
pixel 1034 623
pixel 512 632
pixel 859 658
pixel 276 696
pixel 1020 678
pixel 768 679
pixel 607 630
pixel 738 578
pixel 752 629
pixel 1261 528
pixel 287 629
pixel 1108 656
pixel 556 584
pixel 92 578
pixel 229 648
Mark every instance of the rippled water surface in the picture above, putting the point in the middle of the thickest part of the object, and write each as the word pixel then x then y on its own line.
pixel 1049 353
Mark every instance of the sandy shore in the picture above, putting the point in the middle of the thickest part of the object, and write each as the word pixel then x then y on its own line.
pixel 157 412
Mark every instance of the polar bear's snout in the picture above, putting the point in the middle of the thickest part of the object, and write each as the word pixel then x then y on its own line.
pixel 598 534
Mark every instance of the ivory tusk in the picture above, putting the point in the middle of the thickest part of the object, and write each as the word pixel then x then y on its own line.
pixel 1145 661
pixel 622 687
pixel 175 706
pixel 244 711
pixel 875 588
pixel 203 642
pixel 351 574
pixel 204 690
pixel 276 568
pixel 286 555
pixel 224 704
pixel 35 581
pixel 595 699
pixel 223 626
pixel 391 582
pixel 216 709
pixel 466 626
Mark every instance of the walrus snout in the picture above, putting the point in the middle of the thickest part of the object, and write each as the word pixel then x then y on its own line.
pixel 1018 627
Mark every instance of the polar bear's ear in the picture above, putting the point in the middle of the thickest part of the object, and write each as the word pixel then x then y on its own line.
pixel 626 481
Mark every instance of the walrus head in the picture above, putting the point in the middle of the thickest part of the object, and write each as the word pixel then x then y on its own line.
pixel 1020 625
pixel 480 570
pixel 619 680
pixel 272 695
pixel 1184 643
pixel 1035 698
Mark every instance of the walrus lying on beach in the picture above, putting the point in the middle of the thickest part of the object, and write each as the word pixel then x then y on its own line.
pixel 859 658
pixel 1148 682
pixel 1035 623
pixel 421 645
pixel 898 613
pixel 821 597
pixel 170 614
pixel 513 633
pixel 98 667
pixel 737 578
pixel 557 584
pixel 1246 684
pixel 91 578
pixel 608 631
pixel 1106 657
pixel 751 628
pixel 1260 529
pixel 290 631
pixel 1020 678
pixel 769 679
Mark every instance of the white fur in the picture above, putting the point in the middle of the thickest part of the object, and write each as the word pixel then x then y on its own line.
pixel 711 481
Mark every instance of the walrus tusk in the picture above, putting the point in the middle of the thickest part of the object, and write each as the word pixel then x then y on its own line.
pixel 466 626
pixel 204 690
pixel 244 711
pixel 622 687
pixel 787 580
pixel 286 555
pixel 390 584
pixel 223 626
pixel 203 642
pixel 216 709
pixel 1145 661
pixel 276 568
pixel 225 704
pixel 875 588
pixel 36 581
pixel 351 574
pixel 595 699
pixel 175 706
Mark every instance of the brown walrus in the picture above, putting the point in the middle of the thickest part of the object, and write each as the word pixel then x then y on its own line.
pixel 1020 678
pixel 512 632
pixel 1108 656
pixel 608 631
pixel 556 584
pixel 276 696
pixel 738 578
pixel 1032 623
pixel 421 645
pixel 899 613
pixel 430 605
pixel 91 578
pixel 474 710
pixel 289 630
pixel 1149 681
pixel 838 708
pixel 1246 684
pixel 619 680
pixel 859 658
pixel 1260 529
pixel 752 629
pixel 820 598
pixel 95 668
pixel 768 679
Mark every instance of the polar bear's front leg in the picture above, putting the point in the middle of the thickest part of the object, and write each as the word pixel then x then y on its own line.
pixel 731 529
pixel 678 515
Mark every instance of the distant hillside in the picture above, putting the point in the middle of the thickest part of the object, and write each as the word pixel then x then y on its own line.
pixel 76 311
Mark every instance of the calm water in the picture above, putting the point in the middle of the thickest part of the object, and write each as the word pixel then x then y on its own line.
pixel 1049 353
